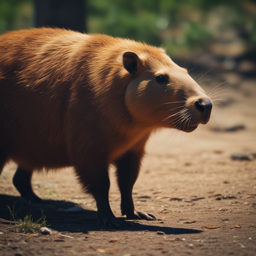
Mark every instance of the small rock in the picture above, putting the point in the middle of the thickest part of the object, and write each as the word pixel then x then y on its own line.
pixel 145 197
pixel 223 209
pixel 229 197
pixel 15 247
pixel 67 236
pixel 113 240
pixel 241 157
pixel 218 152
pixel 58 240
pixel 232 128
pixel 157 192
pixel 160 233
pixel 197 198
pixel 218 198
pixel 235 127
pixel 189 222
pixel 45 231
pixel 176 199
pixel 211 227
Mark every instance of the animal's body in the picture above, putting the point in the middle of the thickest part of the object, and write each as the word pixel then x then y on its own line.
pixel 88 101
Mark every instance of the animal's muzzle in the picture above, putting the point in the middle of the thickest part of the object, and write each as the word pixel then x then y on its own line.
pixel 204 106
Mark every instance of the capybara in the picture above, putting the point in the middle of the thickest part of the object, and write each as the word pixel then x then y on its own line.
pixel 88 101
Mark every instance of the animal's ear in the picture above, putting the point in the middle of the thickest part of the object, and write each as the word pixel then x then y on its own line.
pixel 131 62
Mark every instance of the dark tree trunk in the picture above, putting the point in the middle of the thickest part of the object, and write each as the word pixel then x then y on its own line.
pixel 68 14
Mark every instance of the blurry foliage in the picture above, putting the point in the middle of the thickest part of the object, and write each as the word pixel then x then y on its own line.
pixel 15 14
pixel 182 25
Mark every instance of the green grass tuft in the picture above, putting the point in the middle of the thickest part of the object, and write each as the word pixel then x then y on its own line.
pixel 27 225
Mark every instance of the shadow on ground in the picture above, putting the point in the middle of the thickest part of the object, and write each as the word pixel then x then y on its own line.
pixel 58 219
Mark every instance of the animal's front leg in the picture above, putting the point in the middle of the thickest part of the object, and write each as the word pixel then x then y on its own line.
pixel 96 182
pixel 22 181
pixel 127 172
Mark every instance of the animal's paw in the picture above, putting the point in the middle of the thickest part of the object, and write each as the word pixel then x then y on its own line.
pixel 114 222
pixel 33 198
pixel 141 215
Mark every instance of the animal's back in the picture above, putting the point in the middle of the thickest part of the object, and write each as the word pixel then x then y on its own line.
pixel 34 95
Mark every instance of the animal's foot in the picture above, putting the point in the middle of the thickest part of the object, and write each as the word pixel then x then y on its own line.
pixel 33 198
pixel 114 222
pixel 141 215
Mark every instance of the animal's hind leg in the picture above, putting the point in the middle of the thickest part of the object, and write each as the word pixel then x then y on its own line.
pixel 2 159
pixel 2 163
pixel 22 182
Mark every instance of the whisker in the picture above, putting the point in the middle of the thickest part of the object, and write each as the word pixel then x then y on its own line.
pixel 216 87
pixel 181 120
pixel 178 120
pixel 205 80
pixel 204 74
pixel 198 75
pixel 221 90
pixel 177 113
pixel 176 108
pixel 182 101
pixel 191 69
pixel 217 100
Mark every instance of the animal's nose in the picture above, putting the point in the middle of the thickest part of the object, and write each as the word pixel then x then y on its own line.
pixel 204 105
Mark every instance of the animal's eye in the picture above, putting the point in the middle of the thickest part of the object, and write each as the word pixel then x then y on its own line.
pixel 160 79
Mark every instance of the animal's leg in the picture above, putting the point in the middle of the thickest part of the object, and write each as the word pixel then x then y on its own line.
pixel 2 160
pixel 127 172
pixel 22 182
pixel 95 180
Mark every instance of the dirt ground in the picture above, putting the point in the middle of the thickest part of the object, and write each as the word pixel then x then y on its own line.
pixel 205 201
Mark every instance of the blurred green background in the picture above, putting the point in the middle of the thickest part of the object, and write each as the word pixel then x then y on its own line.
pixel 184 27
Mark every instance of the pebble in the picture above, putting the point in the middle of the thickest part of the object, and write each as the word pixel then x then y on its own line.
pixel 176 199
pixel 229 197
pixel 45 231
pixel 232 128
pixel 157 192
pixel 15 247
pixel 242 157
pixel 145 197
pixel 197 198
pixel 160 233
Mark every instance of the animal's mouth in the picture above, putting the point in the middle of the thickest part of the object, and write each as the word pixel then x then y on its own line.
pixel 191 128
pixel 186 128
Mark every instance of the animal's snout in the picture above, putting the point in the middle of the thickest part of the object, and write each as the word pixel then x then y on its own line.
pixel 204 106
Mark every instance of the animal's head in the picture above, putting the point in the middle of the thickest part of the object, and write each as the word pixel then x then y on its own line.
pixel 162 94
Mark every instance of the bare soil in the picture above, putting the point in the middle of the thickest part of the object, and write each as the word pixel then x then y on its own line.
pixel 205 201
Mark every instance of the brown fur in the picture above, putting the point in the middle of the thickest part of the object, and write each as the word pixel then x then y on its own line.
pixel 70 99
